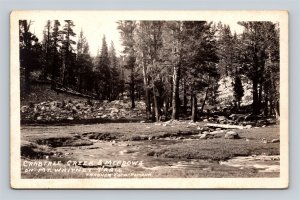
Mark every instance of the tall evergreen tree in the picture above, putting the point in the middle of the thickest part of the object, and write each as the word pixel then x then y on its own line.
pixel 257 38
pixel 56 63
pixel 172 54
pixel 127 29
pixel 117 83
pixel 103 72
pixel 84 64
pixel 148 42
pixel 47 43
pixel 200 59
pixel 30 50
pixel 68 54
pixel 238 90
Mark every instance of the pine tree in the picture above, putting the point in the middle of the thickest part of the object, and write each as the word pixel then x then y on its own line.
pixel 117 84
pixel 172 55
pixel 103 73
pixel 225 49
pixel 47 43
pixel 84 64
pixel 148 43
pixel 238 91
pixel 257 38
pixel 68 55
pixel 56 39
pixel 127 29
pixel 30 49
pixel 200 59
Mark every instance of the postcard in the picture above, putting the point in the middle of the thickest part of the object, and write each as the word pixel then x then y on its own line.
pixel 149 99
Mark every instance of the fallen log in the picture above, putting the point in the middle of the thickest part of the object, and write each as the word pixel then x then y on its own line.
pixel 225 126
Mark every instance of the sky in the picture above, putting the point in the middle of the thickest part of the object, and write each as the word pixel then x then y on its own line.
pixel 94 31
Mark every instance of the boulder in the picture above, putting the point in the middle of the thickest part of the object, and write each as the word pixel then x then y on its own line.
pixel 204 136
pixel 231 135
pixel 205 128
pixel 70 118
pixel 248 126
pixel 39 118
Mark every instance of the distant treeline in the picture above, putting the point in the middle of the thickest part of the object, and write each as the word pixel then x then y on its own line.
pixel 172 65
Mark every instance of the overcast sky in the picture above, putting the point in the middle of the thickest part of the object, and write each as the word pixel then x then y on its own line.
pixel 94 31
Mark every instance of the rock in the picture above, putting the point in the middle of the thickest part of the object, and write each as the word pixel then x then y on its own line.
pixel 204 136
pixel 74 110
pixel 142 121
pixel 192 123
pixel 100 108
pixel 205 128
pixel 58 110
pixel 264 140
pixel 114 110
pixel 150 138
pixel 53 108
pixel 205 120
pixel 211 119
pixel 217 132
pixel 205 132
pixel 104 116
pixel 70 118
pixel 232 135
pixel 218 129
pixel 248 126
pixel 275 140
pixel 39 118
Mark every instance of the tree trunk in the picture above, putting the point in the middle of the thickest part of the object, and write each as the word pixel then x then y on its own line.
pixel 260 94
pixel 148 106
pixel 175 92
pixel 276 109
pixel 146 85
pixel 194 107
pixel 205 98
pixel 156 109
pixel 255 97
pixel 166 108
pixel 238 105
pixel 132 89
pixel 266 110
pixel 132 95
pixel 184 97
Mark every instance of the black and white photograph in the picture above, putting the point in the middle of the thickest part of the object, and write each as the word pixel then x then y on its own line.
pixel 149 99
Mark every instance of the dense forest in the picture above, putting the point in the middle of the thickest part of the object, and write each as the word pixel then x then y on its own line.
pixel 174 66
